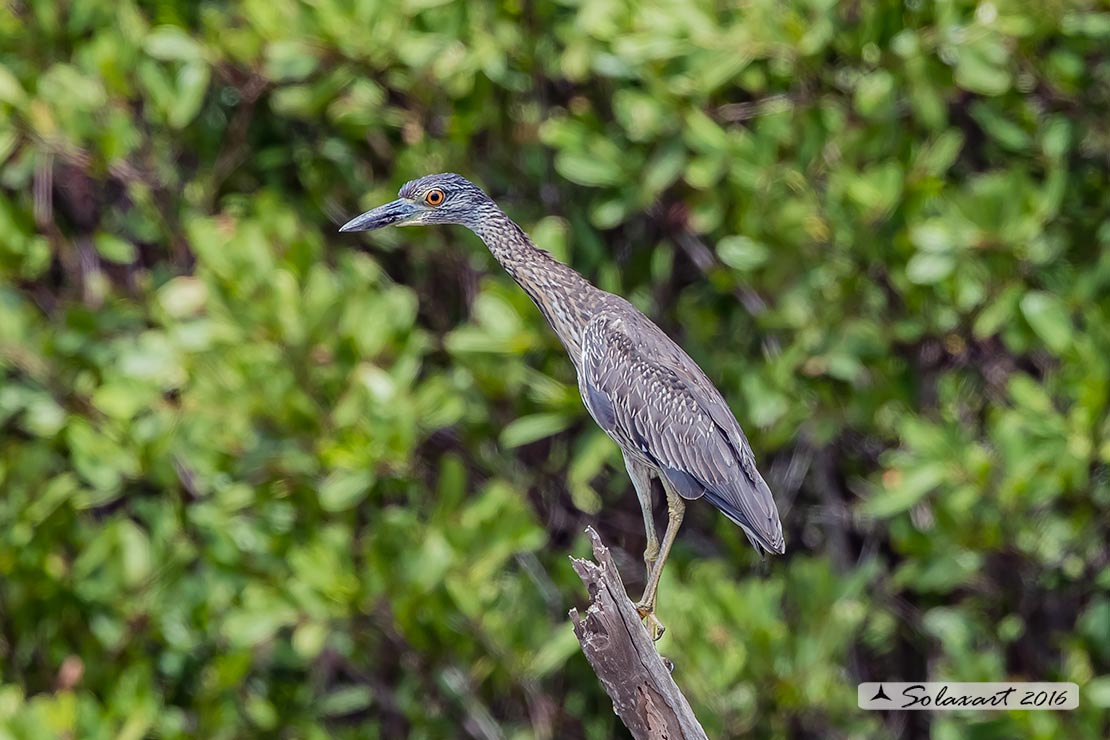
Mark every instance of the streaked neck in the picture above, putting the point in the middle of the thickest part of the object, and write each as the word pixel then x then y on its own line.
pixel 565 298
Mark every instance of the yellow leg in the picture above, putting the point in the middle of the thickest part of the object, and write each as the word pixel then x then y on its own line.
pixel 676 509
pixel 641 481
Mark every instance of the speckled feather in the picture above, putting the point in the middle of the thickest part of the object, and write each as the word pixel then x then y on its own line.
pixel 642 389
pixel 659 406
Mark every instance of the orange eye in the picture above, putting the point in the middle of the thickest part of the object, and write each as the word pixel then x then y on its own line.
pixel 433 197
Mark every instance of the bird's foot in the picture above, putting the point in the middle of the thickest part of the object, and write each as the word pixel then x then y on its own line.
pixel 655 628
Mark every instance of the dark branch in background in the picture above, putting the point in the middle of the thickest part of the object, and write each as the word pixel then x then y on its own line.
pixel 740 112
pixel 705 260
pixel 249 86
pixel 621 652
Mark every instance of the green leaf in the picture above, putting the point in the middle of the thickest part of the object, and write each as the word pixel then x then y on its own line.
pixel 932 236
pixel 911 487
pixel 939 155
pixel 982 67
pixel 135 552
pixel 346 700
pixel 309 639
pixel 704 134
pixel 1094 25
pixel 998 313
pixel 877 189
pixel 289 60
pixel 122 400
pixel 11 91
pixel 259 620
pixel 528 429
pixel 344 489
pixel 928 268
pixel 1056 137
pixel 98 458
pixel 192 85
pixel 1030 394
pixel 554 654
pixel 1003 130
pixel 585 169
pixel 1097 691
pixel 874 93
pixel 742 253
pixel 1049 318
pixel 170 43
pixel 643 116
pixel 114 249
pixel 53 495
pixel 183 296
pixel 662 171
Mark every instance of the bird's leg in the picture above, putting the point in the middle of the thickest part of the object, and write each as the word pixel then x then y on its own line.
pixel 676 509
pixel 641 481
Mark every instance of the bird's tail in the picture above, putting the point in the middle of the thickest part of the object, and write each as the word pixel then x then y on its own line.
pixel 764 535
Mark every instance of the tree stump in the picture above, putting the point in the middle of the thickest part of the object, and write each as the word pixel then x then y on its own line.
pixel 621 652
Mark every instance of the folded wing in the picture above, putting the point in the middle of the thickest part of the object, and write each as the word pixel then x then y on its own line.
pixel 654 400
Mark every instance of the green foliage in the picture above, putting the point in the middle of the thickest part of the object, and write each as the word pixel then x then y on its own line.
pixel 255 481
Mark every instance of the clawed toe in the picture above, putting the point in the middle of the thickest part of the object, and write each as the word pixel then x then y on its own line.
pixel 654 627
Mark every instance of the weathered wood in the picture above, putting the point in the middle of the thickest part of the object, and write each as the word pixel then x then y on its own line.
pixel 621 652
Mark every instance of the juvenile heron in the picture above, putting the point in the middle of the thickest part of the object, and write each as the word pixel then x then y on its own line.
pixel 639 386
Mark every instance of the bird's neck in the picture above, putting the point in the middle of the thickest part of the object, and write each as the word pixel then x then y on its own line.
pixel 566 299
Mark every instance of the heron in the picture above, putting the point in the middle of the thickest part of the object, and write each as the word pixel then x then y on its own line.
pixel 642 389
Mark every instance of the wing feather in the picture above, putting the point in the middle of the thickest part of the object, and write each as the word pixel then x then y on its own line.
pixel 652 398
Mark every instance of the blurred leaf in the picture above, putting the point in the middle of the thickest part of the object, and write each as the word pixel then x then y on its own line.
pixel 102 461
pixel 346 700
pixel 910 488
pixel 344 489
pixel 114 249
pixel 586 169
pixel 528 429
pixel 171 43
pixel 927 268
pixel 192 84
pixel 289 60
pixel 1049 317
pixel 183 296
pixel 982 66
pixel 742 253
pixel 874 93
pixel 1097 691
pixel 554 653
pixel 11 91
pixel 703 134
pixel 262 479
pixel 939 155
pixel 1005 132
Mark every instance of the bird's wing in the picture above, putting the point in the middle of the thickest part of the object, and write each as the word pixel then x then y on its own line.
pixel 652 398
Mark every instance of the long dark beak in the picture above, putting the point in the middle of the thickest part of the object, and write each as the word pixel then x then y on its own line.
pixel 390 213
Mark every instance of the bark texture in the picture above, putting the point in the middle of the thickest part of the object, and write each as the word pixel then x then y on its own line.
pixel 621 652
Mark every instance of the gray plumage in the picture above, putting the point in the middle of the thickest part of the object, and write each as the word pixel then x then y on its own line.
pixel 654 400
pixel 640 387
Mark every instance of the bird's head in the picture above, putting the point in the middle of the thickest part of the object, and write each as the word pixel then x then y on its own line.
pixel 445 198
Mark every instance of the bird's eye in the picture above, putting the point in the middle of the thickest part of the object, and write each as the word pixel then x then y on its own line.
pixel 433 197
